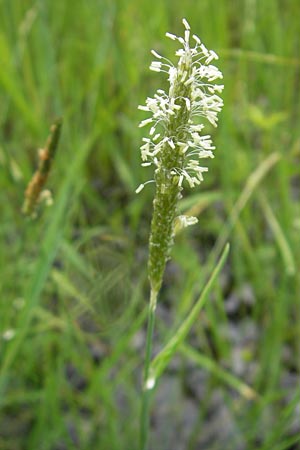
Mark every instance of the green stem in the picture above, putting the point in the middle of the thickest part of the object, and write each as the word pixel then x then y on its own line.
pixel 148 383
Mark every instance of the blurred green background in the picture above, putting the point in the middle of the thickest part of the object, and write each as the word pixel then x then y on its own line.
pixel 73 282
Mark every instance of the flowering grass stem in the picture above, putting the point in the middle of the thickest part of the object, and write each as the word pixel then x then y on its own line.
pixel 175 147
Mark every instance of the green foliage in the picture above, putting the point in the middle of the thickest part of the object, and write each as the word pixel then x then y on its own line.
pixel 70 358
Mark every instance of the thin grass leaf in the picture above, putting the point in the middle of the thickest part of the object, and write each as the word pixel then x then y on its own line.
pixel 281 239
pixel 251 185
pixel 161 361
pixel 213 367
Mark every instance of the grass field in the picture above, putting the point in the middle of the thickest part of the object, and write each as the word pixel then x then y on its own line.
pixel 73 282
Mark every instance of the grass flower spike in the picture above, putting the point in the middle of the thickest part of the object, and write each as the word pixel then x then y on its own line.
pixel 35 191
pixel 176 143
pixel 175 146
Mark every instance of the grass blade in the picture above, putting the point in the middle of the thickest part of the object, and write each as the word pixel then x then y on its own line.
pixel 207 363
pixel 161 361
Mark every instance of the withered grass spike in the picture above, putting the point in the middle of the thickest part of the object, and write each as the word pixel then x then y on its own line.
pixel 39 178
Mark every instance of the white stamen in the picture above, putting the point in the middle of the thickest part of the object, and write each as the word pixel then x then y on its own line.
pixel 171 36
pixel 145 122
pixel 154 69
pixel 186 24
pixel 187 35
pixel 188 103
pixel 143 108
pixel 196 39
pixel 171 144
pixel 157 55
pixel 140 188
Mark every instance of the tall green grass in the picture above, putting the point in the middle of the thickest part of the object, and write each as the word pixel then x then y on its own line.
pixel 70 378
